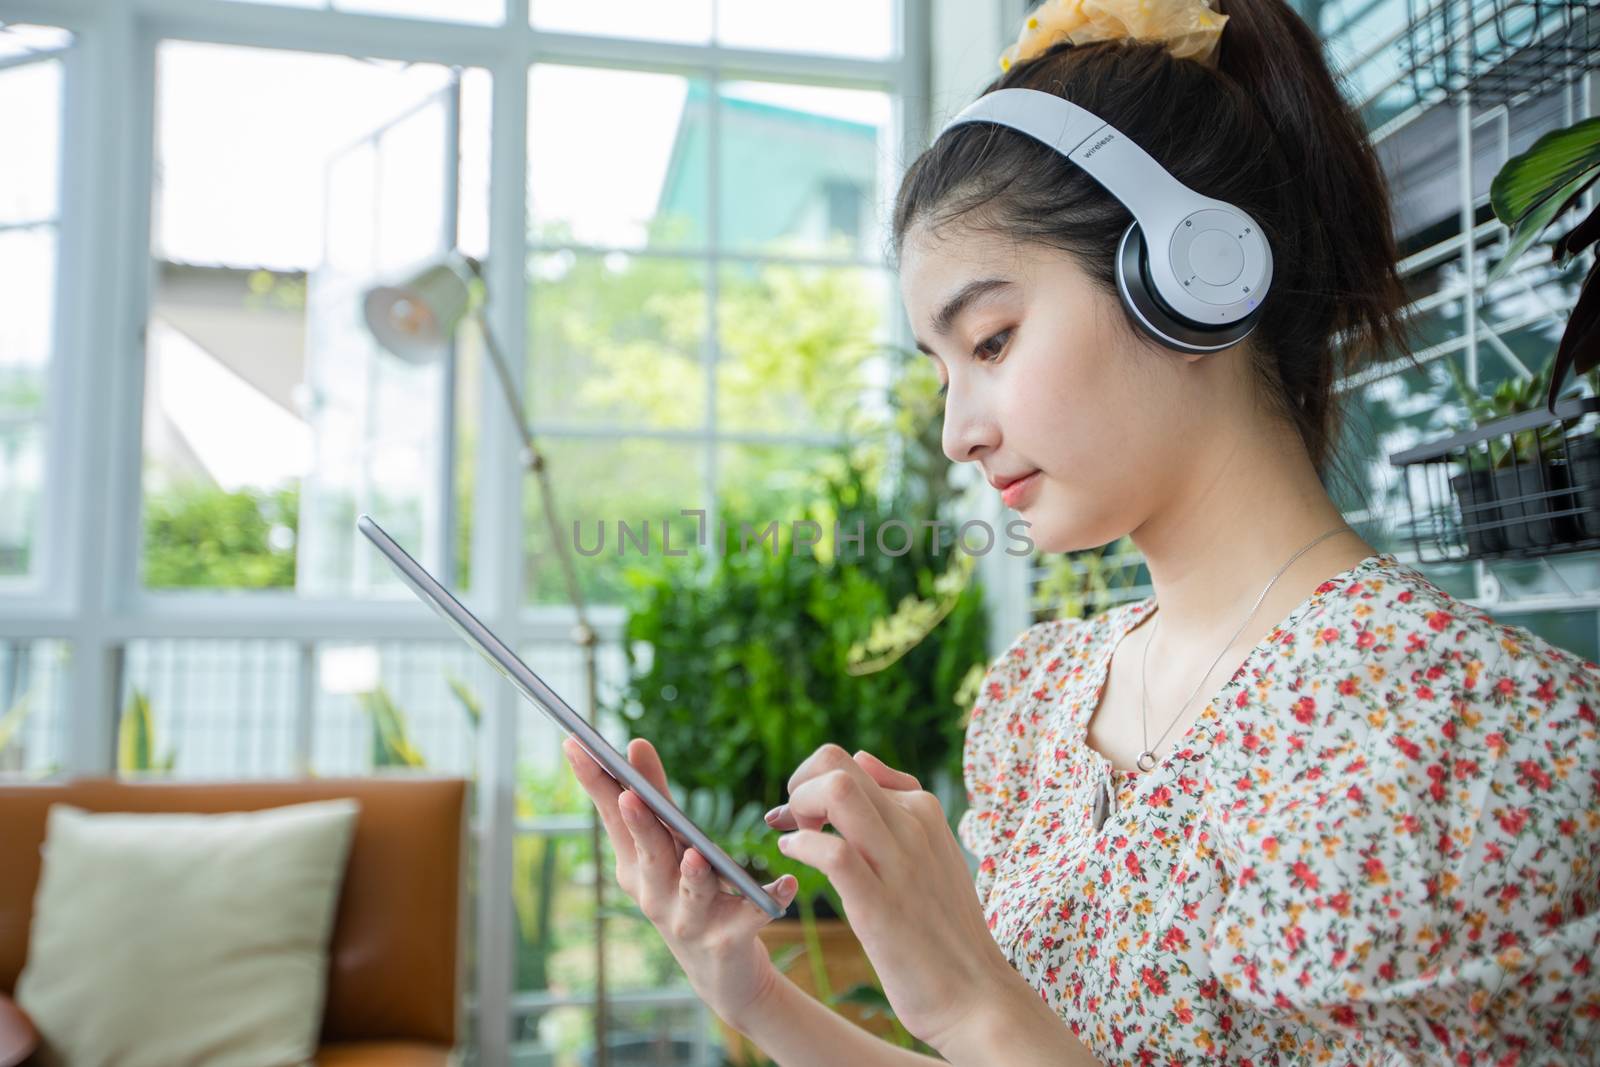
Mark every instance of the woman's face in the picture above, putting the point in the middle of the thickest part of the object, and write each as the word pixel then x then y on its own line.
pixel 1044 374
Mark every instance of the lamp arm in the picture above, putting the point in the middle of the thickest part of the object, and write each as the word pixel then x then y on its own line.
pixel 534 460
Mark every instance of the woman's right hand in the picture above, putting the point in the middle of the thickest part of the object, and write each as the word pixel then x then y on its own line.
pixel 711 931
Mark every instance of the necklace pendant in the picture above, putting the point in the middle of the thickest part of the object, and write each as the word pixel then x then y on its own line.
pixel 1142 765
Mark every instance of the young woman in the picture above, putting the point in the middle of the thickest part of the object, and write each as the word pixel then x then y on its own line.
pixel 1299 805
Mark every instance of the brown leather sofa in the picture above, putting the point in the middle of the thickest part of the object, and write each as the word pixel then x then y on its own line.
pixel 394 972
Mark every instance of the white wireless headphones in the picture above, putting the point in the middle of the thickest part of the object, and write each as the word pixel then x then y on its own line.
pixel 1202 289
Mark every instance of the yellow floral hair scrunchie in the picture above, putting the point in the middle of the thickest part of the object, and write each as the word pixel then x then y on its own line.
pixel 1190 28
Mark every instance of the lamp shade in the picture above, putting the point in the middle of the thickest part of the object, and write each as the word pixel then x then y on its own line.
pixel 415 317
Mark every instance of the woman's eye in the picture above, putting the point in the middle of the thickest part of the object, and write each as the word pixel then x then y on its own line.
pixel 988 347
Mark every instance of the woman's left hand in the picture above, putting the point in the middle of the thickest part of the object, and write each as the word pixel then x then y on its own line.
pixel 905 885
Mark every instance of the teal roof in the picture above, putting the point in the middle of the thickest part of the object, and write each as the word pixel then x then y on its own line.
pixel 785 172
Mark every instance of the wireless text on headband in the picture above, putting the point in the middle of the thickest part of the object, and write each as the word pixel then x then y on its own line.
pixel 1192 270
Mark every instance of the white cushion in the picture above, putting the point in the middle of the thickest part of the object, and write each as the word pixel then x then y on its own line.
pixel 174 939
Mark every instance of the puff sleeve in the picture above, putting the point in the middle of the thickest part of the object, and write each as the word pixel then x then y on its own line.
pixel 998 751
pixel 1425 888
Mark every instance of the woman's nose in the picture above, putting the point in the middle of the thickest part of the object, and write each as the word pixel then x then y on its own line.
pixel 967 430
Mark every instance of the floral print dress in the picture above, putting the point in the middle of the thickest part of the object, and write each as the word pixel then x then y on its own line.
pixel 1378 844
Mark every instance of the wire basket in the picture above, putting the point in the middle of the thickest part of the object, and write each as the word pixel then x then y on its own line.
pixel 1527 485
pixel 1499 49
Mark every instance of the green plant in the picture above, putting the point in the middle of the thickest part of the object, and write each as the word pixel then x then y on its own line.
pixel 136 739
pixel 620 338
pixel 199 536
pixel 761 654
pixel 391 741
pixel 468 700
pixel 892 636
pixel 1079 584
pixel 1512 396
pixel 1528 193
pixel 11 722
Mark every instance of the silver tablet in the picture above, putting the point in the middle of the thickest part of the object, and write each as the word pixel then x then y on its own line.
pixel 531 686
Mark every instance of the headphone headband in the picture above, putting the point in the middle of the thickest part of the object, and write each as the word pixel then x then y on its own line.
pixel 1204 265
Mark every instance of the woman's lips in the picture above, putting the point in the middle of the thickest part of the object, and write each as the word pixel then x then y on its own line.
pixel 1018 491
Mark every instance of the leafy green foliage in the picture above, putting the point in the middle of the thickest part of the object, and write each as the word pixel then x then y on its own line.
pixel 749 671
pixel 391 740
pixel 1077 585
pixel 1511 396
pixel 21 389
pixel 200 536
pixel 1529 192
pixel 622 339
pixel 1537 185
pixel 469 701
pixel 136 740
pixel 750 662
pixel 11 722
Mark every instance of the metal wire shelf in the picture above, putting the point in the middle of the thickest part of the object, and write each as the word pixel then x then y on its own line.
pixel 1499 49
pixel 1525 486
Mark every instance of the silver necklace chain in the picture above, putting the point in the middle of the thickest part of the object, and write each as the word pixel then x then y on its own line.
pixel 1144 696
pixel 1104 795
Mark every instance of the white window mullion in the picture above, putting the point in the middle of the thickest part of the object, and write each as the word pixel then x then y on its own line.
pixel 497 537
pixel 713 289
pixel 110 140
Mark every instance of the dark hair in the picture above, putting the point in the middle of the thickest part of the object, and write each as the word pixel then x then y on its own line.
pixel 1267 129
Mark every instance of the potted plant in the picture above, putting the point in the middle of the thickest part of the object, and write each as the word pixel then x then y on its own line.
pixel 759 655
pixel 1474 492
pixel 1507 491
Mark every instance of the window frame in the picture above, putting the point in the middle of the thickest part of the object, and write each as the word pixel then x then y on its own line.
pixel 88 594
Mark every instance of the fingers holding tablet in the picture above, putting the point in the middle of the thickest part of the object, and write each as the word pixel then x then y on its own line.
pixel 710 932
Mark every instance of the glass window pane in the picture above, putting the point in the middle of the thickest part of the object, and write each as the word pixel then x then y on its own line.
pixel 625 497
pixel 554 895
pixel 18 38
pixel 545 785
pixel 32 706
pixel 27 280
pixel 765 483
pixel 642 183
pixel 800 348
pixel 399 706
pixel 859 28
pixel 208 709
pixel 290 184
pixel 681 21
pixel 483 12
pixel 30 130
pixel 803 169
pixel 27 313
pixel 682 1034
pixel 553 890
pixel 617 339
pixel 21 484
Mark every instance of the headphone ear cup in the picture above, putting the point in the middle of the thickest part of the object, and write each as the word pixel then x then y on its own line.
pixel 1155 317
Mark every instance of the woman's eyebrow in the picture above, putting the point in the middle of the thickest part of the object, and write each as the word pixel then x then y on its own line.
pixel 946 317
